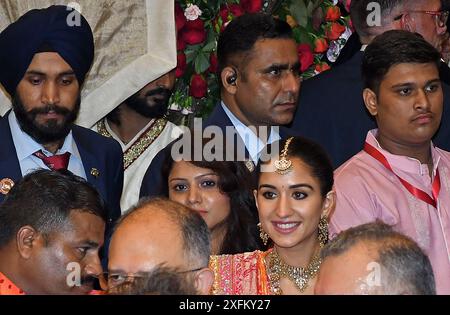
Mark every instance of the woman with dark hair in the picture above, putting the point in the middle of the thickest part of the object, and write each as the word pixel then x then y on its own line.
pixel 294 198
pixel 221 192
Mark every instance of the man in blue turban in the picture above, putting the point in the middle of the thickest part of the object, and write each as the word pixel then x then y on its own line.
pixel 45 56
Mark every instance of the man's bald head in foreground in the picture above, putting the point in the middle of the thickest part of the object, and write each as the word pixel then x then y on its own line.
pixel 374 259
pixel 161 232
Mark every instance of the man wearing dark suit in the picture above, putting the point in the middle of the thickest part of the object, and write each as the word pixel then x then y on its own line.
pixel 258 69
pixel 331 109
pixel 43 72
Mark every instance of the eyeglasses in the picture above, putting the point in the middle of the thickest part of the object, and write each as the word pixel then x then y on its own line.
pixel 440 16
pixel 115 279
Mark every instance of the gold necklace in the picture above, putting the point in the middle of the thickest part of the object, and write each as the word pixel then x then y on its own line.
pixel 278 269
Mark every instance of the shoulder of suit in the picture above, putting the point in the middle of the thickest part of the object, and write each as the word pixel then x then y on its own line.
pixel 82 134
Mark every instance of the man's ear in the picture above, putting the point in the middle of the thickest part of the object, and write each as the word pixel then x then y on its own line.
pixel 328 204
pixel 370 100
pixel 203 281
pixel 228 77
pixel 407 23
pixel 27 239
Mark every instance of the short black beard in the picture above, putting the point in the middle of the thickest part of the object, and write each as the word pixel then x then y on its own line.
pixel 157 110
pixel 50 132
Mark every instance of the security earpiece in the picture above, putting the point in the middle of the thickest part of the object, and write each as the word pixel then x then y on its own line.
pixel 232 79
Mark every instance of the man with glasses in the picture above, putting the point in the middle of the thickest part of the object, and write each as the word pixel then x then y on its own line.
pixel 336 116
pixel 158 232
pixel 431 24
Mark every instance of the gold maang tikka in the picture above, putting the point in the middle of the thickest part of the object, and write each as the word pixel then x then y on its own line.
pixel 283 165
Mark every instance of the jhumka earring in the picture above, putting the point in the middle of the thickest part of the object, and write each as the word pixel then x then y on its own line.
pixel 283 165
pixel 323 231
pixel 263 235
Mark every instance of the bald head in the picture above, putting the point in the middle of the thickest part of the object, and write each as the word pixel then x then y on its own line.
pixel 158 231
pixel 374 259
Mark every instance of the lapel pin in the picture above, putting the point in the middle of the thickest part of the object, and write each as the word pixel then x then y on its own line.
pixel 95 172
pixel 5 185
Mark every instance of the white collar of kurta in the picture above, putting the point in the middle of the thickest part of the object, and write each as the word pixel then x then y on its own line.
pixel 131 143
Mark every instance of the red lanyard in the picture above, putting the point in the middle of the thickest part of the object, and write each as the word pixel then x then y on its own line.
pixel 413 190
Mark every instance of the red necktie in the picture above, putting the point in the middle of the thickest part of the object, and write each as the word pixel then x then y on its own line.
pixel 55 162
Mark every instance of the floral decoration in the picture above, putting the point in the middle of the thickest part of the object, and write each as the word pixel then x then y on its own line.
pixel 321 28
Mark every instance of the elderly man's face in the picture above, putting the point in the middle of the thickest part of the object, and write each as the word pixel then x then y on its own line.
pixel 426 24
pixel 138 246
pixel 47 99
pixel 67 262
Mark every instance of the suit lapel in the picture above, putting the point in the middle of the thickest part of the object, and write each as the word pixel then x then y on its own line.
pixel 9 164
pixel 219 118
pixel 91 164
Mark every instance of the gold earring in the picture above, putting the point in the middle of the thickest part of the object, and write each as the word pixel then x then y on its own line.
pixel 323 231
pixel 263 235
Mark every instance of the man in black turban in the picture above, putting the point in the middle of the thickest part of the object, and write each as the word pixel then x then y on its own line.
pixel 45 56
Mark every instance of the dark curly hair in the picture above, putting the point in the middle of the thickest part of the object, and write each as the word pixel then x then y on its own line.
pixel 236 181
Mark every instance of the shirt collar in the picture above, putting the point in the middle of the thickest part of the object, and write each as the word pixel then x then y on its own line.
pixel 401 162
pixel 7 287
pixel 25 145
pixel 253 143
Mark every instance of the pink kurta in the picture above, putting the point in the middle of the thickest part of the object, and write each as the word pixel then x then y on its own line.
pixel 367 191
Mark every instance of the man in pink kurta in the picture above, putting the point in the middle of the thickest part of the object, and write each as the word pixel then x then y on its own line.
pixel 400 177
pixel 367 191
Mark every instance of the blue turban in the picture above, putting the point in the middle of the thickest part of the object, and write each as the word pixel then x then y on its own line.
pixel 38 30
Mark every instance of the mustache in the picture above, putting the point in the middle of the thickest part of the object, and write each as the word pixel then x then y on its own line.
pixel 159 91
pixel 48 108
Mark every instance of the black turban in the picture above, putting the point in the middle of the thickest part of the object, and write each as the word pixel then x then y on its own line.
pixel 45 30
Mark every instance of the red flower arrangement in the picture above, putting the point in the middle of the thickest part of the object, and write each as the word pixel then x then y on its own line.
pixel 319 27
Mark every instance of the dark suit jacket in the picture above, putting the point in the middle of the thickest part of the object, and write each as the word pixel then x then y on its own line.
pixel 96 151
pixel 152 181
pixel 331 112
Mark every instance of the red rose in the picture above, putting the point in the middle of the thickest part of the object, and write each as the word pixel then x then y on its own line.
pixel 198 86
pixel 213 63
pixel 181 45
pixel 320 45
pixel 197 24
pixel 194 32
pixel 347 5
pixel 321 67
pixel 181 64
pixel 236 10
pixel 333 14
pixel 251 6
pixel 305 56
pixel 180 19
pixel 334 31
pixel 224 14
pixel 231 9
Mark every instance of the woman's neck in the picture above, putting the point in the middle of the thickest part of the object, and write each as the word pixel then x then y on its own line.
pixel 217 238
pixel 301 254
